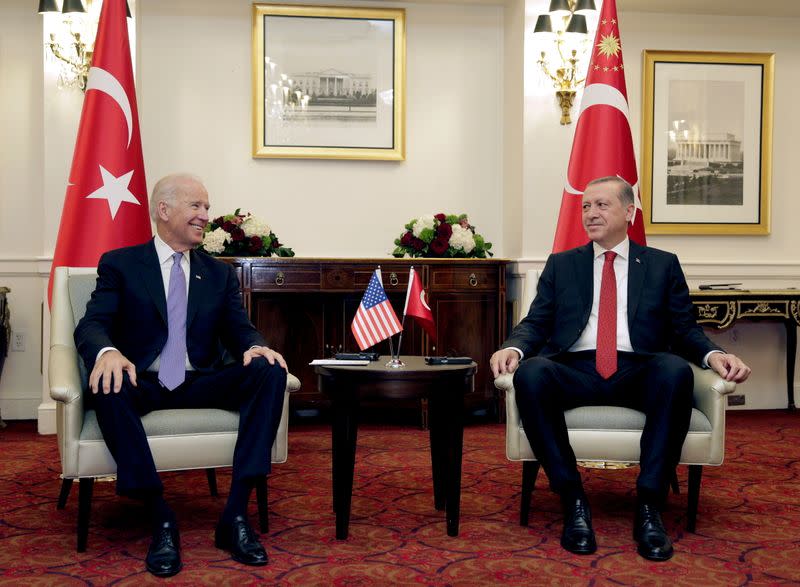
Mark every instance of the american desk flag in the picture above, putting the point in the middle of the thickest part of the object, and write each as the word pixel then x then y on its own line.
pixel 375 319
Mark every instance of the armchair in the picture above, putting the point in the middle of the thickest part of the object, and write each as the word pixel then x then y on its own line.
pixel 610 435
pixel 179 439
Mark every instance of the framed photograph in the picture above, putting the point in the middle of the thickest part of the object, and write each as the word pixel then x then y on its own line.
pixel 329 82
pixel 707 142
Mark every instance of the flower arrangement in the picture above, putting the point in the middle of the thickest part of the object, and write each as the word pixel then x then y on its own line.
pixel 441 235
pixel 242 235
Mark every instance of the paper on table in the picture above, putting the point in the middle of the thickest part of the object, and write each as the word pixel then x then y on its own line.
pixel 340 362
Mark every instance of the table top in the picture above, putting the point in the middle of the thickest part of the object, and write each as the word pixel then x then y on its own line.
pixel 414 365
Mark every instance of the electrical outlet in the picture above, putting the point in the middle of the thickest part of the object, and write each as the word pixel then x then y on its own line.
pixel 736 399
pixel 18 341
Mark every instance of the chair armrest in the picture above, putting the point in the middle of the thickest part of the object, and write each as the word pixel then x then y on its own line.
pixel 709 390
pixel 292 383
pixel 63 374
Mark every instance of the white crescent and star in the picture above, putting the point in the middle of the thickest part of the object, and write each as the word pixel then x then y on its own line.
pixel 114 189
pixel 422 299
pixel 607 95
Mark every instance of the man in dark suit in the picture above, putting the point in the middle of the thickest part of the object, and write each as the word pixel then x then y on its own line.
pixel 153 337
pixel 612 324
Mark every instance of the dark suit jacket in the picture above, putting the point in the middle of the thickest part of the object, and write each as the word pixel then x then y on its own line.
pixel 128 310
pixel 660 314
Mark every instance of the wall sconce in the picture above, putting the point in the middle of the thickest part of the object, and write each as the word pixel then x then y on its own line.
pixel 70 43
pixel 565 26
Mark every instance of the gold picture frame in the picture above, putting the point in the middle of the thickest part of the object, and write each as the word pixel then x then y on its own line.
pixel 329 82
pixel 707 142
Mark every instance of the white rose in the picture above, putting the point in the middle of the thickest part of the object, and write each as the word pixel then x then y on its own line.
pixel 255 227
pixel 462 238
pixel 214 241
pixel 423 222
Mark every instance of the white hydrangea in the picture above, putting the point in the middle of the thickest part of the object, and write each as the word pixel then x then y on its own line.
pixel 462 238
pixel 423 222
pixel 254 226
pixel 214 241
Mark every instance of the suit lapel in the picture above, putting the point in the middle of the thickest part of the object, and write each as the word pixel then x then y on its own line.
pixel 637 268
pixel 198 282
pixel 584 277
pixel 151 276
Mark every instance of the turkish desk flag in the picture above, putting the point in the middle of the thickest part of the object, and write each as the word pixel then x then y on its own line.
pixel 603 144
pixel 417 306
pixel 106 202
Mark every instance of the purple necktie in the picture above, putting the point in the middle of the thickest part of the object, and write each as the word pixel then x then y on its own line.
pixel 172 367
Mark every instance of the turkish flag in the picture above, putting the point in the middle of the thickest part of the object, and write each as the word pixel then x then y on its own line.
pixel 603 144
pixel 105 206
pixel 417 306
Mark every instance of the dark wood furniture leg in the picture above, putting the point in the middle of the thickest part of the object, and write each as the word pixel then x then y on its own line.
pixel 211 475
pixel 436 429
pixel 85 489
pixel 345 431
pixel 454 396
pixel 695 475
pixel 530 470
pixel 791 353
pixel 66 486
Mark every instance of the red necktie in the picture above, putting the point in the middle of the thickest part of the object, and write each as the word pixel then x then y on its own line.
pixel 606 360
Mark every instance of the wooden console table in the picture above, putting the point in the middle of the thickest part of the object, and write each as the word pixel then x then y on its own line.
pixel 304 307
pixel 721 308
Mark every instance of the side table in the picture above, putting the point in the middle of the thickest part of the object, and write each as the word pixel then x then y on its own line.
pixel 444 386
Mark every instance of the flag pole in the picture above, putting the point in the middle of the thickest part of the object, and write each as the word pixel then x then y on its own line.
pixel 394 362
pixel 405 307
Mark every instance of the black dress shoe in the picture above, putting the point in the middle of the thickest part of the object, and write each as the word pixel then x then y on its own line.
pixel 164 556
pixel 238 538
pixel 578 536
pixel 650 535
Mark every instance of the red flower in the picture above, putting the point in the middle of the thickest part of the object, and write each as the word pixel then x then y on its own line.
pixel 255 244
pixel 417 243
pixel 406 239
pixel 218 221
pixel 440 217
pixel 228 226
pixel 439 246
pixel 237 234
pixel 445 231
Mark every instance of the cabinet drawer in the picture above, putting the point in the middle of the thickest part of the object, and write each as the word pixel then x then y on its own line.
pixel 394 278
pixel 464 278
pixel 289 278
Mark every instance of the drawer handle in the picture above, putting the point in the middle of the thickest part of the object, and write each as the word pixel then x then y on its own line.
pixel 280 278
pixel 393 279
pixel 473 280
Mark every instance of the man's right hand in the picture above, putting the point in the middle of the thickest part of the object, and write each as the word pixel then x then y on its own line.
pixel 504 361
pixel 108 369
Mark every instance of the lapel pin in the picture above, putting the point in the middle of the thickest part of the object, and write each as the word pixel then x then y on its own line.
pixel 638 261
pixel 198 277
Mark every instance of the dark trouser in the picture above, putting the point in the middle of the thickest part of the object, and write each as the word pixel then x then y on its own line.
pixel 660 385
pixel 255 391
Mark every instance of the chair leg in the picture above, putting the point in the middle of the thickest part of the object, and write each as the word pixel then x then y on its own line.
pixel 85 489
pixel 211 475
pixel 261 499
pixel 695 475
pixel 676 489
pixel 66 486
pixel 530 470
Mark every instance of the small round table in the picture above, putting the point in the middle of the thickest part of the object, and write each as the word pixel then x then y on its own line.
pixel 444 386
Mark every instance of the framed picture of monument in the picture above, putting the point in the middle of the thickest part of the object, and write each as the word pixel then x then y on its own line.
pixel 707 142
pixel 328 82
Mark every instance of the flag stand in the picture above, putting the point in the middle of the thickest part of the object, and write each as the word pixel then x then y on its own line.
pixel 395 362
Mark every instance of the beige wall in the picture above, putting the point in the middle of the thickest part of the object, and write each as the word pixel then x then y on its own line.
pixel 478 142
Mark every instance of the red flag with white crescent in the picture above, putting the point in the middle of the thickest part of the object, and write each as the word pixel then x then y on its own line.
pixel 603 144
pixel 105 206
pixel 417 305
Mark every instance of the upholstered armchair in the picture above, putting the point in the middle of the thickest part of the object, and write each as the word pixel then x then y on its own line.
pixel 179 439
pixel 608 435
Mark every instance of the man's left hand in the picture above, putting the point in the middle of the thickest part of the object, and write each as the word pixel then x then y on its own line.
pixel 729 367
pixel 267 353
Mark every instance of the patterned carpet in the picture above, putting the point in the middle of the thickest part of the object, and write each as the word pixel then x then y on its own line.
pixel 748 529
